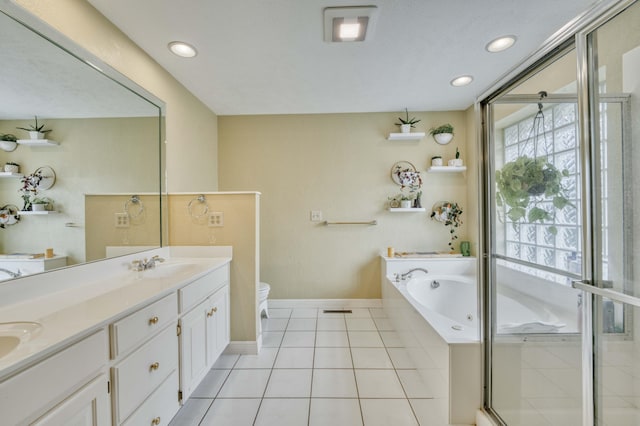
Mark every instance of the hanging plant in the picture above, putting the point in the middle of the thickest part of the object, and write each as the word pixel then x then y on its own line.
pixel 524 183
pixel 448 213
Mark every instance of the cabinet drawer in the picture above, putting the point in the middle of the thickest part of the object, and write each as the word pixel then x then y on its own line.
pixel 160 407
pixel 198 290
pixel 130 331
pixel 37 389
pixel 143 371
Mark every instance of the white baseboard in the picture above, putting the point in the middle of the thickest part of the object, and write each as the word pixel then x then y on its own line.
pixel 248 347
pixel 325 303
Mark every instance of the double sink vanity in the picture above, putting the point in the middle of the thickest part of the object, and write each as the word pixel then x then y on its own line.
pixel 110 343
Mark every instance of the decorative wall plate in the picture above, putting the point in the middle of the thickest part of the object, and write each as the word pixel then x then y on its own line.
pixel 48 177
pixel 398 171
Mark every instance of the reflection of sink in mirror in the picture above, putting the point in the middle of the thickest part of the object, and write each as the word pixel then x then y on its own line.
pixel 164 270
pixel 12 334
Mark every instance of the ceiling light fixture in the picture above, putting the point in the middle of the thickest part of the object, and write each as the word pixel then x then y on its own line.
pixel 463 80
pixel 182 49
pixel 501 43
pixel 343 24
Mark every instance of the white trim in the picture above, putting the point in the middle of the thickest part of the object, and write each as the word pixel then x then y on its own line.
pixel 325 303
pixel 216 193
pixel 246 347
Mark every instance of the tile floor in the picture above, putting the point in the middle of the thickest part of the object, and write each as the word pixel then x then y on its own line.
pixel 316 369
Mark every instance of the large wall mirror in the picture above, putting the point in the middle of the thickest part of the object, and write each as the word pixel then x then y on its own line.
pixel 100 167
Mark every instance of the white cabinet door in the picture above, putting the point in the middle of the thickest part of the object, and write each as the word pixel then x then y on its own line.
pixel 193 348
pixel 89 406
pixel 217 324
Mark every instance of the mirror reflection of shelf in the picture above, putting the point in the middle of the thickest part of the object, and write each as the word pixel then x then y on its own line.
pixel 406 210
pixel 415 136
pixel 37 142
pixel 447 169
pixel 34 213
pixel 10 175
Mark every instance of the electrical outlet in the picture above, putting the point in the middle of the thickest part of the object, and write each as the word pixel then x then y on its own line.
pixel 216 219
pixel 122 220
pixel 316 216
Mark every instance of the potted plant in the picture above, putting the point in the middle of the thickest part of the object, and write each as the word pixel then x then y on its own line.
pixel 436 160
pixel 40 204
pixel 442 134
pixel 406 201
pixel 8 142
pixel 406 124
pixel 11 167
pixel 456 162
pixel 30 186
pixel 526 182
pixel 35 131
pixel 449 214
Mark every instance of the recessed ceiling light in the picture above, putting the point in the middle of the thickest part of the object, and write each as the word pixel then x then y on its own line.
pixel 353 23
pixel 501 43
pixel 463 80
pixel 182 49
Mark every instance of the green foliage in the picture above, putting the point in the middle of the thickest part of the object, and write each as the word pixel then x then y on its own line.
pixel 35 127
pixel 445 128
pixel 407 120
pixel 8 137
pixel 524 182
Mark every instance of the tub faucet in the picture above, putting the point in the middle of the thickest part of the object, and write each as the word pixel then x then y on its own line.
pixel 11 273
pixel 408 273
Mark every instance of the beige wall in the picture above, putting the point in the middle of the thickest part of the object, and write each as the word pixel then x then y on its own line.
pixel 191 127
pixel 339 164
pixel 241 230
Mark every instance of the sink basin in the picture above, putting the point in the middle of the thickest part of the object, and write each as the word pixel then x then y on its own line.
pixel 12 334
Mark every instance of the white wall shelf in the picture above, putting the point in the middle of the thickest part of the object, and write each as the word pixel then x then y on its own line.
pixel 37 142
pixel 447 169
pixel 10 175
pixel 32 213
pixel 405 210
pixel 416 136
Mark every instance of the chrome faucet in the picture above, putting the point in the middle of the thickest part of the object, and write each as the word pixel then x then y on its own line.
pixel 143 265
pixel 408 273
pixel 11 273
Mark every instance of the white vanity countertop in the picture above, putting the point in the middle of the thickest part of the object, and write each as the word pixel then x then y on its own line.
pixel 70 314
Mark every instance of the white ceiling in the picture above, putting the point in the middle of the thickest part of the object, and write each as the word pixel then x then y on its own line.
pixel 269 57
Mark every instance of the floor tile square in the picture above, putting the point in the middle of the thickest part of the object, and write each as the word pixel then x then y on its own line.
pixel 264 359
pixel 304 313
pixel 331 324
pixel 400 358
pixel 333 339
pixel 370 358
pixel 383 324
pixel 365 339
pixel 226 361
pixel 384 412
pixel 330 383
pixel 431 412
pixel 272 339
pixel 335 412
pixel 300 339
pixel 211 384
pixel 377 313
pixel 359 313
pixel 231 412
pixel 378 384
pixel 274 324
pixel 361 324
pixel 287 383
pixel 294 358
pixel 302 324
pixel 283 412
pixel 415 386
pixel 391 339
pixel 332 358
pixel 191 412
pixel 245 384
pixel 279 313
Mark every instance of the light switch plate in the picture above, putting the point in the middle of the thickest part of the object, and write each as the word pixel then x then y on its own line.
pixel 316 216
pixel 122 220
pixel 216 219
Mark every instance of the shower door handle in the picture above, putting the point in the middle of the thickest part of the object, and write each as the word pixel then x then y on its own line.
pixel 586 285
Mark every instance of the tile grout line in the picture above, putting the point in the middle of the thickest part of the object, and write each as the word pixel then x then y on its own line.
pixel 355 379
pixel 218 392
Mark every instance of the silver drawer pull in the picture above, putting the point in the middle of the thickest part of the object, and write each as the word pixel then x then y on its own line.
pixel 155 421
pixel 153 320
pixel 154 366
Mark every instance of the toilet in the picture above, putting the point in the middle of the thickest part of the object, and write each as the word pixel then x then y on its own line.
pixel 263 294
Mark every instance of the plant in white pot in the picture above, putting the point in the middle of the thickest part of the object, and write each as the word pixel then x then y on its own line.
pixel 442 134
pixel 8 142
pixel 40 204
pixel 406 124
pixel 11 167
pixel 35 131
